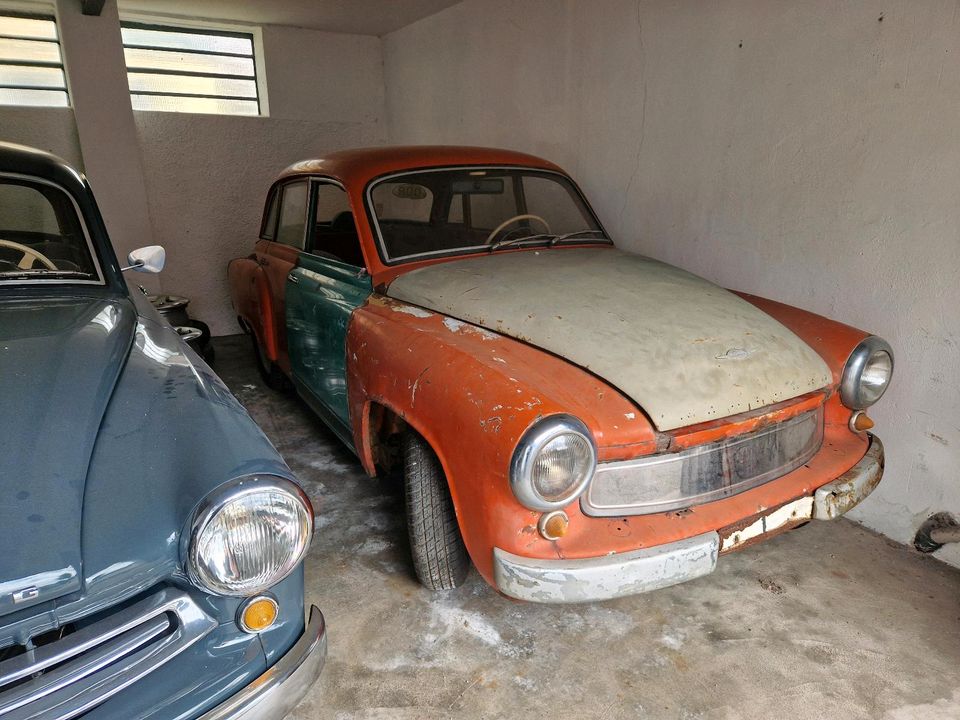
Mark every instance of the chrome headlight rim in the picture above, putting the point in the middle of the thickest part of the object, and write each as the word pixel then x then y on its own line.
pixel 531 443
pixel 214 502
pixel 851 390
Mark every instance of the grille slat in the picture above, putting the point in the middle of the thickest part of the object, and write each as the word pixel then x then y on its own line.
pixel 66 678
pixel 671 481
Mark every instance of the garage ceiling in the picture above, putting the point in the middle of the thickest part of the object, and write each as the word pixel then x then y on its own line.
pixel 366 17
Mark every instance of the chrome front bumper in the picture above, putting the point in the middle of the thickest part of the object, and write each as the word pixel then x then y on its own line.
pixel 275 693
pixel 612 576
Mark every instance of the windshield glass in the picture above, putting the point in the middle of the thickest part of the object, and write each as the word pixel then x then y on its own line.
pixel 449 211
pixel 41 236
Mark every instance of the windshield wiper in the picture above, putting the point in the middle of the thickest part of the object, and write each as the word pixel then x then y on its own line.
pixel 513 241
pixel 577 234
pixel 29 274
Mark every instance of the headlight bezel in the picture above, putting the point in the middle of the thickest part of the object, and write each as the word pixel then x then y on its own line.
pixel 528 448
pixel 218 499
pixel 851 388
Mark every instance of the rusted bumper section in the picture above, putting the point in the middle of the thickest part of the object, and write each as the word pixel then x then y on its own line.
pixel 603 578
pixel 612 576
pixel 836 498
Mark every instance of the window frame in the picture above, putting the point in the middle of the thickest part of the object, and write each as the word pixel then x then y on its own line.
pixel 433 254
pixel 91 246
pixel 18 12
pixel 307 216
pixel 309 248
pixel 203 27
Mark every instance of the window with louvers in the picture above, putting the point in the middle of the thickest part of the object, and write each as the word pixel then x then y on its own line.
pixel 191 70
pixel 31 66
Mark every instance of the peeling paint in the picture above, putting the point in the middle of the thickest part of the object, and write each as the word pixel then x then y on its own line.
pixel 411 310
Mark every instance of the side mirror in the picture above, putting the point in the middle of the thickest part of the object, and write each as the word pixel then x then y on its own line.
pixel 149 259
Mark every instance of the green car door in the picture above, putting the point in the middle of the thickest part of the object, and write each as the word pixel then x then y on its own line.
pixel 322 291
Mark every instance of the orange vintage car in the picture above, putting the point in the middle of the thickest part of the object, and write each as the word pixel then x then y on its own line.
pixel 581 422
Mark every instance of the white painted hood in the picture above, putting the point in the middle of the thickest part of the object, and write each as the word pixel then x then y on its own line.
pixel 682 348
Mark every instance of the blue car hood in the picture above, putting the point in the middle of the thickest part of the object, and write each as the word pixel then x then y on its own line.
pixel 59 362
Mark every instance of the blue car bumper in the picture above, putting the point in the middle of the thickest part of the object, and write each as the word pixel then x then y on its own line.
pixel 277 691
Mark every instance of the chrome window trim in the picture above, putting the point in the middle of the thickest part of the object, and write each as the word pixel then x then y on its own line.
pixel 83 226
pixel 853 371
pixel 375 221
pixel 222 496
pixel 532 441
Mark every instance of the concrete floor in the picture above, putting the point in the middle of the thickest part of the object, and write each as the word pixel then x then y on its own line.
pixel 829 621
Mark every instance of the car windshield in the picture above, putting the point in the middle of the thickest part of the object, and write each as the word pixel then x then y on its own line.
pixel 452 211
pixel 41 236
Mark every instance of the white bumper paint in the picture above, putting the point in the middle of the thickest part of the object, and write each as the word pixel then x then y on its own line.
pixel 682 348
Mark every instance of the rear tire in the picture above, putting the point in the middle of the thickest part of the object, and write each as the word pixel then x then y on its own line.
pixel 439 556
pixel 271 374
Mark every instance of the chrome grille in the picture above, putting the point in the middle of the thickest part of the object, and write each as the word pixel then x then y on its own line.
pixel 64 679
pixel 670 481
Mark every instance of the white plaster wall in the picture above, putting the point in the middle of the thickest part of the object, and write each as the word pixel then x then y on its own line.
pixel 50 129
pixel 207 175
pixel 808 152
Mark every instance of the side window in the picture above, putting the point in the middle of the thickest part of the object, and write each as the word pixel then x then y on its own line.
pixel 269 228
pixel 293 215
pixel 335 233
pixel 455 215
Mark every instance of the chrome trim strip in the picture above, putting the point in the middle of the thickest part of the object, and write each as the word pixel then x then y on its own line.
pixel 103 658
pixel 275 693
pixel 836 498
pixel 83 226
pixel 606 577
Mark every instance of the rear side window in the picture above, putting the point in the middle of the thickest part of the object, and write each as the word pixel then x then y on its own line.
pixel 293 215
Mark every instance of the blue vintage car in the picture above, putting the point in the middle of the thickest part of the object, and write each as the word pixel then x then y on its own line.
pixel 152 538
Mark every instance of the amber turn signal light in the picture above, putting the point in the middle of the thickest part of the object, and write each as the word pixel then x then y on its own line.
pixel 860 422
pixel 257 614
pixel 553 525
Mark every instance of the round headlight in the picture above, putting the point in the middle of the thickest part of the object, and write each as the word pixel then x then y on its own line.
pixel 248 535
pixel 866 374
pixel 553 463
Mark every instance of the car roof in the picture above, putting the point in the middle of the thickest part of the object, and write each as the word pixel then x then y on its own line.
pixel 23 160
pixel 363 164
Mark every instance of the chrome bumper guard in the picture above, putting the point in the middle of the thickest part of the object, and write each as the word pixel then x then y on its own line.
pixel 275 693
pixel 613 576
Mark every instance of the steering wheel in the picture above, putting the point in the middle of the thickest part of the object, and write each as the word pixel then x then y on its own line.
pixel 516 218
pixel 29 255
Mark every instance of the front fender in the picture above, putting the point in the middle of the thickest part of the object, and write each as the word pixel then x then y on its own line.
pixel 171 434
pixel 471 394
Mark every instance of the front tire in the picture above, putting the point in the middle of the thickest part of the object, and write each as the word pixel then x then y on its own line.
pixel 439 556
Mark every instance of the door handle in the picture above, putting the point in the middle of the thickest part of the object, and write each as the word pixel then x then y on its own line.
pixel 293 278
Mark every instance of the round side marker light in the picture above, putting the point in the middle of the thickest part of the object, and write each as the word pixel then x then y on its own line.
pixel 859 422
pixel 553 525
pixel 257 614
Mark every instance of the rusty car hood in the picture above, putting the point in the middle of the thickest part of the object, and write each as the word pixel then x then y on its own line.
pixel 682 348
pixel 59 359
